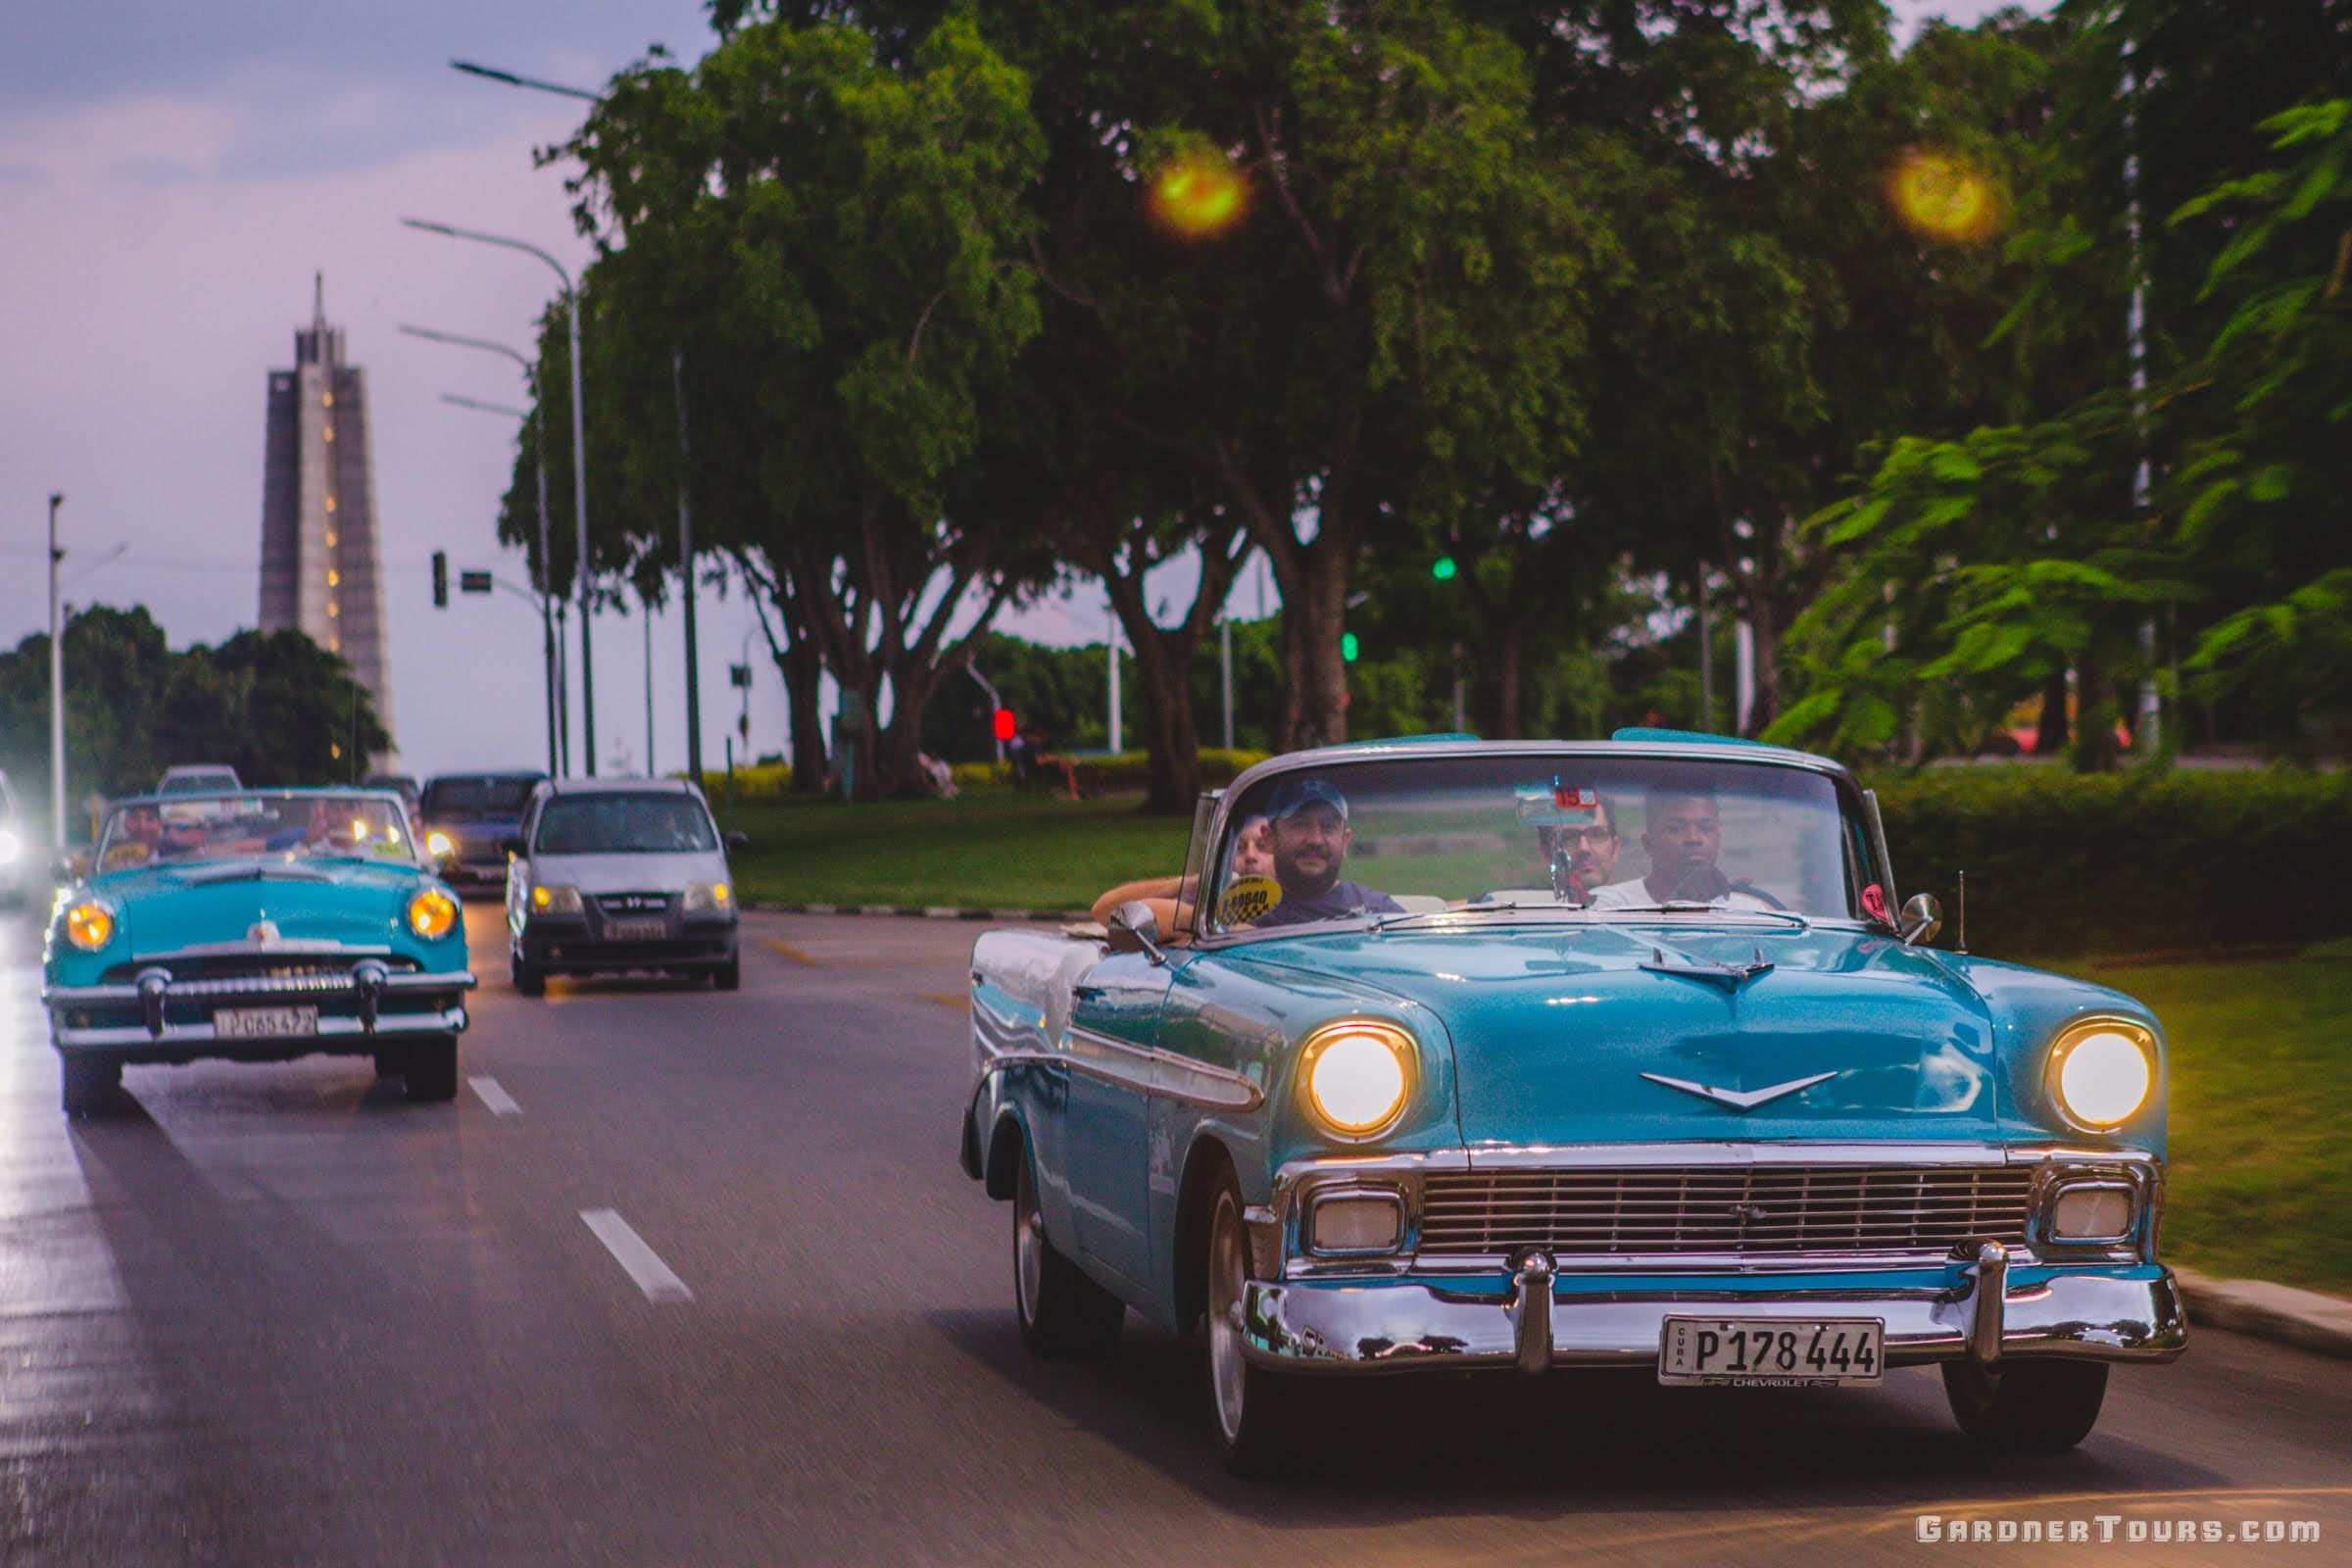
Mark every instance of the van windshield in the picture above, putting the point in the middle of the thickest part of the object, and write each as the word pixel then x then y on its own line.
pixel 625 824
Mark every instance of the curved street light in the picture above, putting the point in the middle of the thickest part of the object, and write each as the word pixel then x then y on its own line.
pixel 579 463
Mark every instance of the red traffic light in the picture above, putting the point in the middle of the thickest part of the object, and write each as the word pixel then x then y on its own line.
pixel 1001 723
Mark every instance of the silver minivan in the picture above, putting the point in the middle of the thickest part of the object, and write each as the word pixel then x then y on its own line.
pixel 612 874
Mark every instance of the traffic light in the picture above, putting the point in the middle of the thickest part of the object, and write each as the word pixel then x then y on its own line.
pixel 1001 723
pixel 1348 646
pixel 1443 568
pixel 440 579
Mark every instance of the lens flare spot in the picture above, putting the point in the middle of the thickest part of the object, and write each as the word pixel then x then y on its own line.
pixel 1940 195
pixel 1198 195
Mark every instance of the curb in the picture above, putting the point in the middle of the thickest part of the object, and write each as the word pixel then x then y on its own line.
pixel 2302 1318
pixel 911 911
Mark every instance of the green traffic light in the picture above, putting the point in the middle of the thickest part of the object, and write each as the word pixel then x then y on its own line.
pixel 1348 647
pixel 1443 568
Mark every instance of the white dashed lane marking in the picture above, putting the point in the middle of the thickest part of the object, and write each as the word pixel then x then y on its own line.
pixel 628 1249
pixel 501 1102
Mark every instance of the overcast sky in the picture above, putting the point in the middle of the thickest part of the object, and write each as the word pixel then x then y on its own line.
pixel 171 178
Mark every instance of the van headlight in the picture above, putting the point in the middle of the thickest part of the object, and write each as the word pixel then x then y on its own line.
pixel 547 899
pixel 90 924
pixel 439 845
pixel 2101 1073
pixel 1357 1076
pixel 432 912
pixel 710 898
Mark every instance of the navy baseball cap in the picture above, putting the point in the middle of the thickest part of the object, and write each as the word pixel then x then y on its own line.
pixel 1292 796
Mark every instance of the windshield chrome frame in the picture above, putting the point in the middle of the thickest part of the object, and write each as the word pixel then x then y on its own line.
pixel 1849 796
pixel 400 814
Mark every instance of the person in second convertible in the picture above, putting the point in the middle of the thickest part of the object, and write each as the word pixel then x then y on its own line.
pixel 1311 847
pixel 1684 837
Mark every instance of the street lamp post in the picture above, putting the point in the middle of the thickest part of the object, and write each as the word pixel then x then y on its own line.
pixel 57 691
pixel 579 468
pixel 547 618
pixel 556 696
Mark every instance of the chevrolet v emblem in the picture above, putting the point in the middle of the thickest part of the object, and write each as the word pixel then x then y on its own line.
pixel 263 933
pixel 1741 1099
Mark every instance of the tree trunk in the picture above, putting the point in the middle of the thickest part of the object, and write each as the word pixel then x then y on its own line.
pixel 2094 723
pixel 1315 707
pixel 2050 736
pixel 1171 738
pixel 1510 657
pixel 801 668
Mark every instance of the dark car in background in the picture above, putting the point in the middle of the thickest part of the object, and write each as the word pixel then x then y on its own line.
pixel 467 819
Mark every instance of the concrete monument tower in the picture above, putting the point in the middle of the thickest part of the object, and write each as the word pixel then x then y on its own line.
pixel 322 556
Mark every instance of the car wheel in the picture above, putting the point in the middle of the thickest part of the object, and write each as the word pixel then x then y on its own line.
pixel 1257 1413
pixel 2026 1407
pixel 728 976
pixel 1062 1312
pixel 93 1085
pixel 529 979
pixel 431 1068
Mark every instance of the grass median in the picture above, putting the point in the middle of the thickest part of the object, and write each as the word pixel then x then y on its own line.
pixel 2261 1170
pixel 985 850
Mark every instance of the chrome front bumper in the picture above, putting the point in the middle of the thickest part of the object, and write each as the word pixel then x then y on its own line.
pixel 1356 1327
pixel 377 1000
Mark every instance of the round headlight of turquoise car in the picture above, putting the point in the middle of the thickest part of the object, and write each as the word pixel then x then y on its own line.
pixel 2101 1073
pixel 1357 1076
pixel 431 914
pixel 90 924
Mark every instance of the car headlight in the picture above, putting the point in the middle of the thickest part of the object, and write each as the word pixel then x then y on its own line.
pixel 708 898
pixel 547 899
pixel 10 847
pixel 1357 1076
pixel 439 845
pixel 90 924
pixel 2101 1073
pixel 431 914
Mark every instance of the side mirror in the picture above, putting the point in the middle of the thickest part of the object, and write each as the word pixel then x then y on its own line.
pixel 1134 928
pixel 1922 919
pixel 737 841
pixel 510 844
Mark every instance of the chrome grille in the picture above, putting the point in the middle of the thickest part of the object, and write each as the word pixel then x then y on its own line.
pixel 291 969
pixel 1761 1210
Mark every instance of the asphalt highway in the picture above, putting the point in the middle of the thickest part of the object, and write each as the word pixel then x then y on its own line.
pixel 693 1277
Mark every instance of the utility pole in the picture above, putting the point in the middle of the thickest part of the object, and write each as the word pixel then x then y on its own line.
pixel 57 690
pixel 1225 646
pixel 694 685
pixel 2147 732
pixel 1706 659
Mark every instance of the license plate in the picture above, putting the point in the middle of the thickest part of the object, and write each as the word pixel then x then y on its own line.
pixel 636 930
pixel 265 1023
pixel 1772 1352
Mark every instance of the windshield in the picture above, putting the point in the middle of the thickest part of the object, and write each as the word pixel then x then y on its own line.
pixel 468 799
pixel 236 827
pixel 1499 834
pixel 625 824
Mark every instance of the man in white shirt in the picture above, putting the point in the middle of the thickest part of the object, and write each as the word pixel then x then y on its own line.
pixel 1684 837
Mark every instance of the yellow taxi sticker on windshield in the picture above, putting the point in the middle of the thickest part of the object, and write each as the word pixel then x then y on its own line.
pixel 1246 901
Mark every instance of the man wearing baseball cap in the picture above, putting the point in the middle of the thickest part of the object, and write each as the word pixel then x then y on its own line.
pixel 1309 817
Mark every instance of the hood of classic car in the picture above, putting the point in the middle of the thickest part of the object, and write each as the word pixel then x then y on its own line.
pixel 1554 1027
pixel 168 907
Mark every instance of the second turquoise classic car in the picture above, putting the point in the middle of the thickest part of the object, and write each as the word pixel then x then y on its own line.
pixel 1458 1056
pixel 256 926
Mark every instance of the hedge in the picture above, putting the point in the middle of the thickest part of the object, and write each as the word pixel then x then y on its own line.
pixel 1117 773
pixel 2061 862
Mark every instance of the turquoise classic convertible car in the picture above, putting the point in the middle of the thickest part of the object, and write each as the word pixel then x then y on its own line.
pixel 258 925
pixel 1461 1055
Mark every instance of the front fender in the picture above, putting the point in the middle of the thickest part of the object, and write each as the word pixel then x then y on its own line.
pixel 2028 1010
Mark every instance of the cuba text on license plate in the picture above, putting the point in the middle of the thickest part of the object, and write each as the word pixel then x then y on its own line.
pixel 265 1023
pixel 1772 1351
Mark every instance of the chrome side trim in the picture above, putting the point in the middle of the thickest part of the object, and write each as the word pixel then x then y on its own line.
pixel 1158 1072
